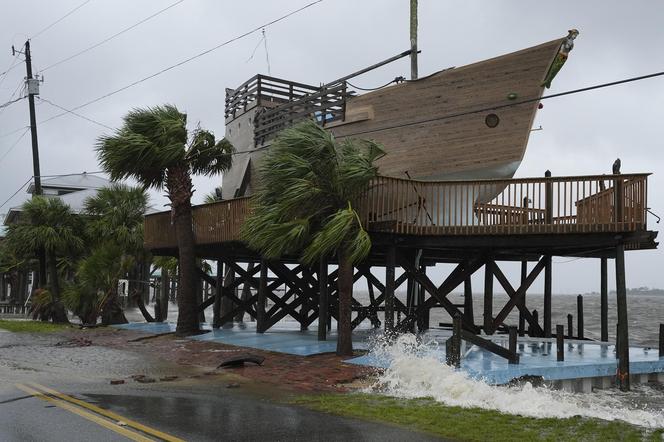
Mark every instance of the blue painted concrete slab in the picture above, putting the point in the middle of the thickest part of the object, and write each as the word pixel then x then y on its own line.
pixel 284 337
pixel 538 358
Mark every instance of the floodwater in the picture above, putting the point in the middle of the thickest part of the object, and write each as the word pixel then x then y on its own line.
pixel 645 313
pixel 413 374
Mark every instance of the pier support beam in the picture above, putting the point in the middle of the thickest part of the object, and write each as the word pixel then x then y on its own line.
pixel 389 288
pixel 579 315
pixel 323 300
pixel 216 308
pixel 488 297
pixel 262 296
pixel 547 295
pixel 621 297
pixel 468 301
pixel 604 301
pixel 522 319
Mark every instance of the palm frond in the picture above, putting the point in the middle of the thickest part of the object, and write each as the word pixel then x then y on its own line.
pixel 206 157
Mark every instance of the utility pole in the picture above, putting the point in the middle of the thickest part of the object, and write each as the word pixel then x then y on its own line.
pixel 33 89
pixel 32 86
pixel 413 39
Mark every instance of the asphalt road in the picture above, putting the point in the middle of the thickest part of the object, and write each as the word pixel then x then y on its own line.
pixel 50 393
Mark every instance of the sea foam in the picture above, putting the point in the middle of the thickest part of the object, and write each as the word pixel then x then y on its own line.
pixel 414 372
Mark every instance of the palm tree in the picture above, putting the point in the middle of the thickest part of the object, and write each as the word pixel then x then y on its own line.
pixel 154 147
pixel 305 205
pixel 116 221
pixel 50 226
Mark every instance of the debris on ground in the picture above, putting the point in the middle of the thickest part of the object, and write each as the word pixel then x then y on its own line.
pixel 233 385
pixel 74 342
pixel 239 361
pixel 168 378
pixel 117 381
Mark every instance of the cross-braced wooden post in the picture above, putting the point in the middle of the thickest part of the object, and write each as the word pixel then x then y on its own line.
pixel 621 297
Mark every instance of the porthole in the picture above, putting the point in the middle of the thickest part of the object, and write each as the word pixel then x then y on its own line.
pixel 492 120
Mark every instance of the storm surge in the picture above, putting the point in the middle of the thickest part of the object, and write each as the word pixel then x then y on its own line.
pixel 414 370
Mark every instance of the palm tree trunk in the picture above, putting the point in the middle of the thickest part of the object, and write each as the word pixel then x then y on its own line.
pixel 111 311
pixel 59 315
pixel 345 289
pixel 179 192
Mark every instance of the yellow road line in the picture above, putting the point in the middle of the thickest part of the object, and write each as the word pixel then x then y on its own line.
pixel 87 415
pixel 109 414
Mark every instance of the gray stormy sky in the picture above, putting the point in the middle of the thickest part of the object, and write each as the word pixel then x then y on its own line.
pixel 583 133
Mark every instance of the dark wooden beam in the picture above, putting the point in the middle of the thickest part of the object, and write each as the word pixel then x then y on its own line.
pixel 548 268
pixel 323 300
pixel 604 300
pixel 261 299
pixel 621 297
pixel 522 319
pixel 216 309
pixel 488 297
pixel 390 263
pixel 516 297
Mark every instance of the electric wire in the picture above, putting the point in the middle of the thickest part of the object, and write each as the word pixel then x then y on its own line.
pixel 74 113
pixel 502 106
pixel 8 151
pixel 396 80
pixel 106 40
pixel 60 19
pixel 10 102
pixel 187 60
pixel 15 193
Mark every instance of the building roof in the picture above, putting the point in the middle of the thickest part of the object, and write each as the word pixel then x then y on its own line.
pixel 73 182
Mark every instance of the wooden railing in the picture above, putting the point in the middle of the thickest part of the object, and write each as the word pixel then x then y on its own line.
pixel 581 204
pixel 261 89
pixel 326 105
pixel 213 224
pixel 600 203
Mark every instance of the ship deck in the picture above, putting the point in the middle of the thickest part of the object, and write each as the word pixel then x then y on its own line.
pixel 565 216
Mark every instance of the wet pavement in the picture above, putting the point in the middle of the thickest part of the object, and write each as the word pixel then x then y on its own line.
pixel 197 405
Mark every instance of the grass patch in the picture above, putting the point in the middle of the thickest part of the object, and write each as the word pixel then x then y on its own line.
pixel 31 326
pixel 472 424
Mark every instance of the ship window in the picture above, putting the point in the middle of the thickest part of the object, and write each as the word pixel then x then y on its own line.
pixel 492 120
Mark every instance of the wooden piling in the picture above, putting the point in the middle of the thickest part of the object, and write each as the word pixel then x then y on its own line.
pixel 512 332
pixel 570 327
pixel 579 315
pixel 661 340
pixel 216 307
pixel 262 296
pixel 488 297
pixel 621 296
pixel 323 301
pixel 560 343
pixel 533 332
pixel 453 345
pixel 390 261
pixel 547 296
pixel 522 319
pixel 468 301
pixel 604 301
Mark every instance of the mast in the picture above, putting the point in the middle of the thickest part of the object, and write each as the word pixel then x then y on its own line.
pixel 413 39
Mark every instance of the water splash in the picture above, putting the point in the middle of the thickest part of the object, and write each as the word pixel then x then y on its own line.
pixel 414 371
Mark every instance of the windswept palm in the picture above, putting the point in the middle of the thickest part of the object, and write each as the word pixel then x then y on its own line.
pixel 116 227
pixel 154 147
pixel 48 224
pixel 305 205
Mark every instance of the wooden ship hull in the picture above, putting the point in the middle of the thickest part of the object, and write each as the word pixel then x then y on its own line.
pixel 459 123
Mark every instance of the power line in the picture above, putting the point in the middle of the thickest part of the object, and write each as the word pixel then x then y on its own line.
pixel 15 193
pixel 10 102
pixel 60 19
pixel 187 60
pixel 502 106
pixel 117 34
pixel 74 113
pixel 14 145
